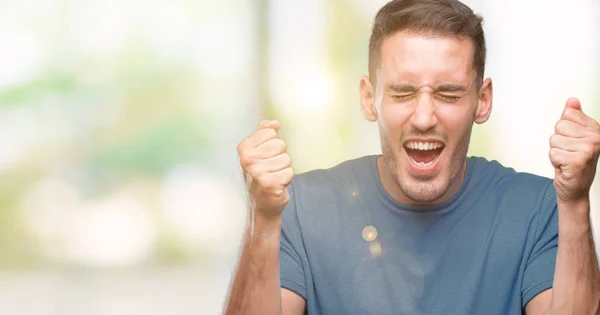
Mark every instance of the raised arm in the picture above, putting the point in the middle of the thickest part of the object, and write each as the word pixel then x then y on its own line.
pixel 574 152
pixel 255 289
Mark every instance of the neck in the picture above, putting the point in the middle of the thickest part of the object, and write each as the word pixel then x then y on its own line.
pixel 392 188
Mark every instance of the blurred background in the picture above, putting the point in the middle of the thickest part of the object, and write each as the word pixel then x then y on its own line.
pixel 120 189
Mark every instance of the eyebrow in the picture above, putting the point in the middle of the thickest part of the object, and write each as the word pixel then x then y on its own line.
pixel 407 88
pixel 400 88
pixel 450 88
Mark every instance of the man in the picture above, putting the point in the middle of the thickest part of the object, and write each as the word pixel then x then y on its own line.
pixel 421 229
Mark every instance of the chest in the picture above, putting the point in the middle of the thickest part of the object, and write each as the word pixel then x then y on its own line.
pixel 384 264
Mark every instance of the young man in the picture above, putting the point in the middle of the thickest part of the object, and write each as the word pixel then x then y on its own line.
pixel 421 229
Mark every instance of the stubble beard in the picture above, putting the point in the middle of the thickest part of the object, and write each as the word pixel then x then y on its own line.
pixel 426 189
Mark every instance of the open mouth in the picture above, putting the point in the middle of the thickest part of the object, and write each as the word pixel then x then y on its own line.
pixel 423 154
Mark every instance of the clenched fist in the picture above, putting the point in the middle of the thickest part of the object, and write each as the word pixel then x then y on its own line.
pixel 574 150
pixel 266 170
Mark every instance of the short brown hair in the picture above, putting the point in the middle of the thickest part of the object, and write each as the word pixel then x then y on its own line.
pixel 428 17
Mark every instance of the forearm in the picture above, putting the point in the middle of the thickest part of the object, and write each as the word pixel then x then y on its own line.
pixel 576 288
pixel 256 287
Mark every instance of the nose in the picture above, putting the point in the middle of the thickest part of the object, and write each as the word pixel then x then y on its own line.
pixel 424 116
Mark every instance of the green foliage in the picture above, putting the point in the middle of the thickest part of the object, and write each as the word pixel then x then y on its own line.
pixel 29 91
pixel 157 150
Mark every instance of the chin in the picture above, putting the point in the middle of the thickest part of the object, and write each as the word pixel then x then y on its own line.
pixel 424 190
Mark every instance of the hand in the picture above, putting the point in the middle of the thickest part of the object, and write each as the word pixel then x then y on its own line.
pixel 266 170
pixel 574 150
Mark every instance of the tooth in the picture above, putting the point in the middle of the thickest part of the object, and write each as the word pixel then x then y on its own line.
pixel 423 145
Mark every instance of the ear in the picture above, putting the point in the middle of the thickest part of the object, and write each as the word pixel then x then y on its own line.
pixel 484 104
pixel 367 99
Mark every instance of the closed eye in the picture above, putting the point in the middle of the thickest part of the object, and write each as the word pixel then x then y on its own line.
pixel 448 98
pixel 402 97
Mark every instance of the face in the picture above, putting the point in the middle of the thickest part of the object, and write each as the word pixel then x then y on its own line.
pixel 425 102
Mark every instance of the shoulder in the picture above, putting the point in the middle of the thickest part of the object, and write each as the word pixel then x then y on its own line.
pixel 319 193
pixel 506 183
pixel 506 177
pixel 326 181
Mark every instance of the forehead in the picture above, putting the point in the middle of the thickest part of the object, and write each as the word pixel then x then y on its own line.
pixel 422 59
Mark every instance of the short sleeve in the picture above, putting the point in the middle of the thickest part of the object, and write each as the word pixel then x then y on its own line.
pixel 539 271
pixel 291 271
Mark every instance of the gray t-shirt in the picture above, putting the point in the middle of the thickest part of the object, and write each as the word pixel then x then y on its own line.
pixel 488 250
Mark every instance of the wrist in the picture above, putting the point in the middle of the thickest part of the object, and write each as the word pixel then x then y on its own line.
pixel 573 199
pixel 266 223
pixel 576 207
pixel 263 227
pixel 574 216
